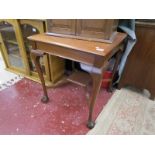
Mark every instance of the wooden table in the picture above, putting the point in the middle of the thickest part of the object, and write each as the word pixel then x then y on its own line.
pixel 91 53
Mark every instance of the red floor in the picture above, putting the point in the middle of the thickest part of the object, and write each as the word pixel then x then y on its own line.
pixel 21 111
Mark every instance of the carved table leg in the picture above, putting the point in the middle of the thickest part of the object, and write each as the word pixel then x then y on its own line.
pixel 36 58
pixel 118 58
pixel 97 80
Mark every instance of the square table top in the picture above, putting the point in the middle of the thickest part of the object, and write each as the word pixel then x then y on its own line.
pixel 94 47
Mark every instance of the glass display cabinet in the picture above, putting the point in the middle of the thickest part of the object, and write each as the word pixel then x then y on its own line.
pixel 13 47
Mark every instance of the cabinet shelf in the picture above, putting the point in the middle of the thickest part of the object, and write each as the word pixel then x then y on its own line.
pixel 11 42
pixel 6 28
pixel 15 53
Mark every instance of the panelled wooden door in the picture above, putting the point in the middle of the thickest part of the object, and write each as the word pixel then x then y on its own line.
pixel 63 26
pixel 95 28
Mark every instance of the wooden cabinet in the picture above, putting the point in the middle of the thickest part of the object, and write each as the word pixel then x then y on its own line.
pixel 16 48
pixel 103 30
pixel 139 70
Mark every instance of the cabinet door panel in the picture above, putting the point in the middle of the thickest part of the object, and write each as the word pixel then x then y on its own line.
pixel 29 28
pixel 61 26
pixel 96 28
pixel 11 46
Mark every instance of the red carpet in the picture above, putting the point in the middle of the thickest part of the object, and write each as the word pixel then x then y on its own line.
pixel 21 111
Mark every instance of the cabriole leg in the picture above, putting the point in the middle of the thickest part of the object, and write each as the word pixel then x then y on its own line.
pixel 36 58
pixel 97 80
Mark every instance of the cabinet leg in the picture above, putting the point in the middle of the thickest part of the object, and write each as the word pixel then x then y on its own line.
pixel 36 58
pixel 118 58
pixel 97 80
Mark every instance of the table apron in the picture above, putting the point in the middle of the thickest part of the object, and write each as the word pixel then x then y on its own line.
pixel 72 54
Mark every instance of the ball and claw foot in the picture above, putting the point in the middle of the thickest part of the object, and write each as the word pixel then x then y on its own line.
pixel 44 99
pixel 90 124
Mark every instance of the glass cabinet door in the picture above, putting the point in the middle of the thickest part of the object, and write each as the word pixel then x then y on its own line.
pixel 29 28
pixel 11 45
pixel 16 47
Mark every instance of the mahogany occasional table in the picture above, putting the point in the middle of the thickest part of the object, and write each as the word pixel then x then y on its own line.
pixel 95 54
